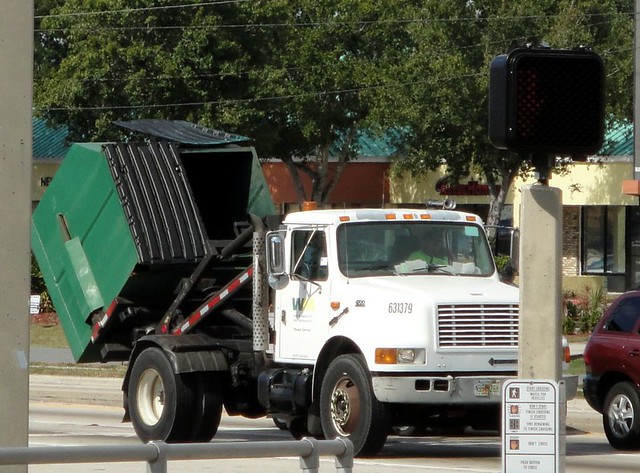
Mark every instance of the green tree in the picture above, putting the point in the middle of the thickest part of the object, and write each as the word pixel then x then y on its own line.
pixel 286 73
pixel 299 76
pixel 441 76
pixel 321 57
pixel 104 60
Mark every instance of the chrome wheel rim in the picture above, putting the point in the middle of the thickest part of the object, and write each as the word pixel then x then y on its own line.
pixel 345 406
pixel 621 416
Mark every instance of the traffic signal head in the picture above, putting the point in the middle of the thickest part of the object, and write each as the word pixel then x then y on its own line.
pixel 547 101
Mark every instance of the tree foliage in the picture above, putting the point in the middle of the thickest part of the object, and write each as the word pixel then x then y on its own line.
pixel 444 74
pixel 302 76
pixel 102 60
pixel 319 63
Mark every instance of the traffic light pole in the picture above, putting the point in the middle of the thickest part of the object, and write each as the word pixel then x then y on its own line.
pixel 540 355
pixel 542 165
pixel 543 103
pixel 540 338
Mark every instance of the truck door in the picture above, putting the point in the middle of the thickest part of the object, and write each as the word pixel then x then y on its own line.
pixel 302 307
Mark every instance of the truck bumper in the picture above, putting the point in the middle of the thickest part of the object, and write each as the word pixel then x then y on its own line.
pixel 448 389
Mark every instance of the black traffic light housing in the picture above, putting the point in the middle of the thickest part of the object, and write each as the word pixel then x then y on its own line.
pixel 547 102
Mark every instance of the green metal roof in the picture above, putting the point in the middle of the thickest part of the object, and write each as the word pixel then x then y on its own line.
pixel 618 141
pixel 368 145
pixel 49 142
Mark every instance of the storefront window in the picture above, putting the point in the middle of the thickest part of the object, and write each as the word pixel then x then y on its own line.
pixel 603 240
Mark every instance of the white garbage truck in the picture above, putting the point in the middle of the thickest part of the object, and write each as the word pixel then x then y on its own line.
pixel 160 255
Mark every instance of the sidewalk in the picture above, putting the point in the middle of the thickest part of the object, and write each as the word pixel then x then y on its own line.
pixel 50 355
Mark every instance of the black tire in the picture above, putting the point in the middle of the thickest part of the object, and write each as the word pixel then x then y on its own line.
pixel 406 430
pixel 280 423
pixel 621 417
pixel 207 406
pixel 349 409
pixel 160 401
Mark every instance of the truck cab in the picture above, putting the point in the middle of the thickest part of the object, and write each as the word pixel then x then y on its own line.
pixel 433 335
pixel 349 275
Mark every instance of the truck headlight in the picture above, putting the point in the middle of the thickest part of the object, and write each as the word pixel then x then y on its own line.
pixel 393 356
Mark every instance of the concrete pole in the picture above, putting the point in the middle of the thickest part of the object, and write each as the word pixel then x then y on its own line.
pixel 636 94
pixel 632 186
pixel 16 79
pixel 540 355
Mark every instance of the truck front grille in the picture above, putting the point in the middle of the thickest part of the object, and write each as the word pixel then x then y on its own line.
pixel 478 325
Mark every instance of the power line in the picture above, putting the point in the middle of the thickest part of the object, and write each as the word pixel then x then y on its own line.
pixel 259 99
pixel 134 10
pixel 246 72
pixel 292 24
pixel 266 99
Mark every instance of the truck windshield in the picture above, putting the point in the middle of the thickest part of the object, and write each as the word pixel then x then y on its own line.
pixel 400 248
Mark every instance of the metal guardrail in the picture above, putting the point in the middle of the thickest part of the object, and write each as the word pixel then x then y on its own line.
pixel 156 454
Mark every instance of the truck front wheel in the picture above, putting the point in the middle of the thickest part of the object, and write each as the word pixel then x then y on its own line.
pixel 159 399
pixel 348 407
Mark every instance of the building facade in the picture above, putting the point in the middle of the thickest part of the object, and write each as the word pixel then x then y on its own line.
pixel 601 224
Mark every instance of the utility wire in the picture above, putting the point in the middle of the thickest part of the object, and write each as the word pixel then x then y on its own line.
pixel 298 24
pixel 134 10
pixel 263 99
pixel 284 97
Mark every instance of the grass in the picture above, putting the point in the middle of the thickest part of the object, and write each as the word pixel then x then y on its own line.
pixel 95 370
pixel 578 337
pixel 577 366
pixel 45 331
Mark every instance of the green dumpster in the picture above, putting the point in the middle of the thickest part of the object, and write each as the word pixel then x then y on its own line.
pixel 128 221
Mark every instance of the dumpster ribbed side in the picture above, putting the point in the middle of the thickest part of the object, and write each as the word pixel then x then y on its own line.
pixel 158 202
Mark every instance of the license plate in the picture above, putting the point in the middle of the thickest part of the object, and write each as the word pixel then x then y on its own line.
pixel 486 388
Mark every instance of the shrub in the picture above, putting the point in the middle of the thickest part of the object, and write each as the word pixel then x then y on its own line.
pixel 505 268
pixel 582 312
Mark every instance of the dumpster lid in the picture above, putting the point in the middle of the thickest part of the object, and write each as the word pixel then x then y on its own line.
pixel 182 131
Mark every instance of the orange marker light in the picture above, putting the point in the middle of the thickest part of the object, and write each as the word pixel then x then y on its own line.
pixel 386 356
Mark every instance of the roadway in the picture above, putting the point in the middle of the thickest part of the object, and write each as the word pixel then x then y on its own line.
pixel 86 411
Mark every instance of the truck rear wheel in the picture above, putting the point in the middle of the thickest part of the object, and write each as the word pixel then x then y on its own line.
pixel 159 400
pixel 348 407
pixel 207 406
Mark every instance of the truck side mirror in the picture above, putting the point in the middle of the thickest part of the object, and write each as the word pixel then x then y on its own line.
pixel 276 267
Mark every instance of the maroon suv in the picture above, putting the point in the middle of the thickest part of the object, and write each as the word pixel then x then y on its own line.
pixel 612 359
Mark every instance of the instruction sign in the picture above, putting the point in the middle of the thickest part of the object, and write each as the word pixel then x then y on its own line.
pixel 531 426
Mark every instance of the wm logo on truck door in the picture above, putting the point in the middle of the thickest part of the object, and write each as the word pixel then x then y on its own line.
pixel 301 303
